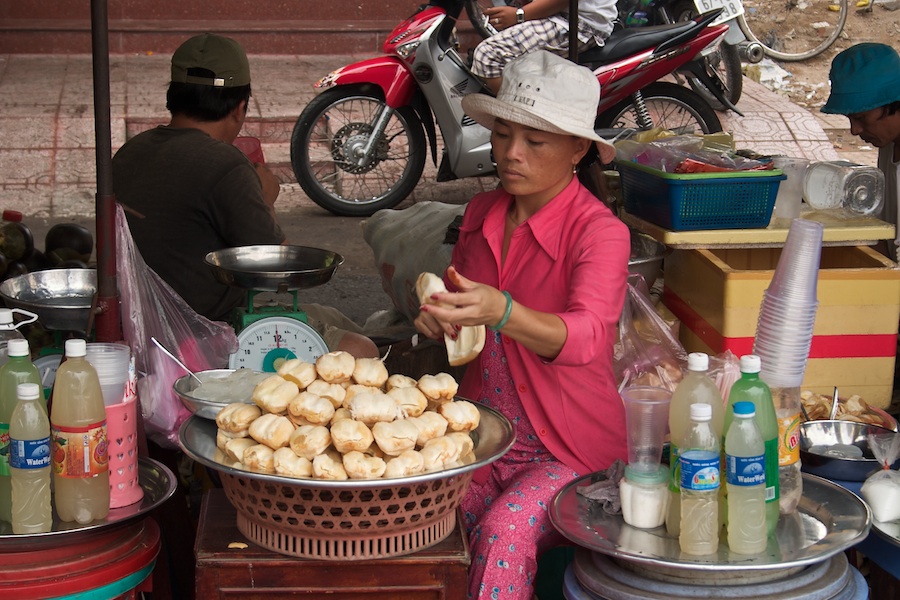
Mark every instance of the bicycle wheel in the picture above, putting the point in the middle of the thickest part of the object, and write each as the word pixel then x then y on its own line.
pixel 475 10
pixel 793 30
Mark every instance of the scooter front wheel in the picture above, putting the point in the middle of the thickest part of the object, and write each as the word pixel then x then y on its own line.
pixel 327 150
pixel 669 106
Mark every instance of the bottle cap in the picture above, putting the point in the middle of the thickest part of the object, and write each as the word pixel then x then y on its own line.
pixel 744 409
pixel 75 348
pixel 698 361
pixel 6 318
pixel 701 412
pixel 17 347
pixel 750 363
pixel 28 391
pixel 12 215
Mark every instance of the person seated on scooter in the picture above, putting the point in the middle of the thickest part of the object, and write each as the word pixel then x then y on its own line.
pixel 543 264
pixel 865 86
pixel 188 191
pixel 539 25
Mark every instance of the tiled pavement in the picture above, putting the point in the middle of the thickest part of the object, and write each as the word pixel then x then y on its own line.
pixel 48 161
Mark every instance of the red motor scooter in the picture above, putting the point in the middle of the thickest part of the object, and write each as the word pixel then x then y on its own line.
pixel 360 145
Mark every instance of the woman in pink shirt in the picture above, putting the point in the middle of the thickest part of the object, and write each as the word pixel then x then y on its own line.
pixel 543 263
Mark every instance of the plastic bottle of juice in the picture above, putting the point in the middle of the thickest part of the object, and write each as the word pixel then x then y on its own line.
pixel 29 462
pixel 8 331
pixel 700 478
pixel 18 369
pixel 751 388
pixel 790 480
pixel 79 440
pixel 696 387
pixel 745 459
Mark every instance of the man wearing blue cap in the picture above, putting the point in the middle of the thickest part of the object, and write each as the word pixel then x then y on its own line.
pixel 865 86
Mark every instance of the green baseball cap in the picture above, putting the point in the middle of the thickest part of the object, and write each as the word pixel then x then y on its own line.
pixel 223 56
pixel 863 77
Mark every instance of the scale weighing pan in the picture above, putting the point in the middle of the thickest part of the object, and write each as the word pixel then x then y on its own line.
pixel 61 298
pixel 274 268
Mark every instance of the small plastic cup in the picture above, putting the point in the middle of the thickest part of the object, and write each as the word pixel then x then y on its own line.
pixel 646 419
pixel 111 363
pixel 797 272
pixel 251 147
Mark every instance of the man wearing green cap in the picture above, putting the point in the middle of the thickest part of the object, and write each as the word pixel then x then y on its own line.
pixel 865 86
pixel 187 190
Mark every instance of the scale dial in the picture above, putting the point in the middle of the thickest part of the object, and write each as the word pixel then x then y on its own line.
pixel 265 344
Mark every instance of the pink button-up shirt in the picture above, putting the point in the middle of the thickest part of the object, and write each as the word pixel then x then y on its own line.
pixel 570 259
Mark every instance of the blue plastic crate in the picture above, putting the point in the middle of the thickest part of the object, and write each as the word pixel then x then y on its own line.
pixel 733 200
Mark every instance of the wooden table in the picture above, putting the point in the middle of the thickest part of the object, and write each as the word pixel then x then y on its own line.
pixel 253 572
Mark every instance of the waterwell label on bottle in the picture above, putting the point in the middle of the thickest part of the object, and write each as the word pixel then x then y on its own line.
pixel 699 470
pixel 745 470
pixel 29 454
pixel 80 452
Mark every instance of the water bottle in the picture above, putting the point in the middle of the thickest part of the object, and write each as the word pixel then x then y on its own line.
pixel 8 332
pixel 695 387
pixel 79 440
pixel 745 476
pixel 29 461
pixel 790 480
pixel 18 369
pixel 751 388
pixel 700 461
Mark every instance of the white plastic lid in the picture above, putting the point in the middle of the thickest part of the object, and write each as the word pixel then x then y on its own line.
pixel 750 363
pixel 701 412
pixel 698 361
pixel 6 317
pixel 17 347
pixel 76 348
pixel 28 391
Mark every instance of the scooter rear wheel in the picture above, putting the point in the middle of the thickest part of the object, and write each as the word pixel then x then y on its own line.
pixel 332 131
pixel 669 106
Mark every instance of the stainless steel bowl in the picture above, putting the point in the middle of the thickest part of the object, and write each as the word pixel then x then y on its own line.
pixel 185 388
pixel 274 268
pixel 829 433
pixel 61 298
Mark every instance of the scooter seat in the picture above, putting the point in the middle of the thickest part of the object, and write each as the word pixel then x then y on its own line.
pixel 627 42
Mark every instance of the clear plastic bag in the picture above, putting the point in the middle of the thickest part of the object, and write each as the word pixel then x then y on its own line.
pixel 150 308
pixel 648 351
pixel 881 490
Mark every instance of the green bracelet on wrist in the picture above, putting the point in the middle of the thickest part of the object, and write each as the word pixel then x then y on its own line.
pixel 505 319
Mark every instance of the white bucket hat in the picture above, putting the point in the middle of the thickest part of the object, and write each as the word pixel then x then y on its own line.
pixel 546 92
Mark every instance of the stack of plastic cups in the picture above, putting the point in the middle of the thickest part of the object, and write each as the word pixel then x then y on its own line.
pixel 115 370
pixel 788 312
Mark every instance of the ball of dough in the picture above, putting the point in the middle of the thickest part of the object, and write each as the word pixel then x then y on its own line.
pixel 438 452
pixel 399 381
pixel 274 393
pixel 405 464
pixel 314 409
pixel 370 371
pixel 349 435
pixel 336 367
pixel 272 430
pixel 335 392
pixel 438 388
pixel 310 441
pixel 223 437
pixel 373 407
pixel 299 371
pixel 287 463
pixel 395 437
pixel 464 441
pixel 360 466
pixel 411 400
pixel 329 466
pixel 259 458
pixel 429 425
pixel 237 417
pixel 356 388
pixel 234 449
pixel 340 414
pixel 461 415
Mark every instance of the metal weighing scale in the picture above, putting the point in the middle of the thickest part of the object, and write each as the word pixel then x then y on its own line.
pixel 270 333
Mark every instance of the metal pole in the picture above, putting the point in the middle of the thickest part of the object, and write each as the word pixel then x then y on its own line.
pixel 108 324
pixel 573 31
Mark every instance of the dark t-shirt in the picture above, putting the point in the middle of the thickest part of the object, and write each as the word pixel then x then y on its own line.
pixel 193 195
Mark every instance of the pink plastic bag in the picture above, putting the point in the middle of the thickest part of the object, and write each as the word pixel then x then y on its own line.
pixel 150 308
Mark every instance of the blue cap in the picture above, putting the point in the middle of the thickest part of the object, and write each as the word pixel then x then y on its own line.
pixel 744 408
pixel 863 77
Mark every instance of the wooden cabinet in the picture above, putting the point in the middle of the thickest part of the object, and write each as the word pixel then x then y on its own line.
pixel 436 573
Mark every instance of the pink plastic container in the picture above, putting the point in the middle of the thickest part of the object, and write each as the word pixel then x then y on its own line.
pixel 121 427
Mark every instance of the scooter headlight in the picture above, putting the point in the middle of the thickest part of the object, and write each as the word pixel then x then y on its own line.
pixel 406 50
